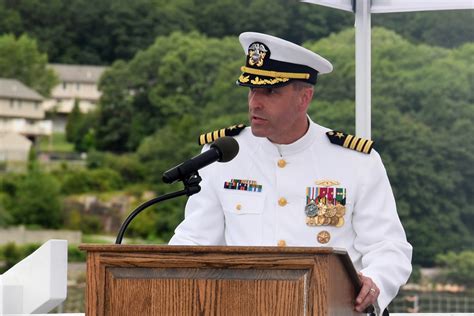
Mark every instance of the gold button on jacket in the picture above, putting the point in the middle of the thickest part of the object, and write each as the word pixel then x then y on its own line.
pixel 281 163
pixel 282 201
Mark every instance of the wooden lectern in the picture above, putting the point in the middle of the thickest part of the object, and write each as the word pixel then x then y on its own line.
pixel 189 280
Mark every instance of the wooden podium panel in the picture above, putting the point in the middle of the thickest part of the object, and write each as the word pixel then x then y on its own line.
pixel 188 280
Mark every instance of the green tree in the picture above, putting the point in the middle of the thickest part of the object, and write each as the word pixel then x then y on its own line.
pixel 21 59
pixel 435 28
pixel 80 31
pixel 8 188
pixel 73 122
pixel 5 217
pixel 85 139
pixel 45 21
pixel 115 109
pixel 170 79
pixel 458 267
pixel 10 20
pixel 108 30
pixel 36 201
pixel 80 128
pixel 127 165
pixel 308 22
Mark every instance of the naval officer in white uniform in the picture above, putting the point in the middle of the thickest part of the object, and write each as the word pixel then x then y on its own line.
pixel 296 183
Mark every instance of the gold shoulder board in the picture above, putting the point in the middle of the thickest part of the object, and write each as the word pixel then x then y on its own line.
pixel 350 141
pixel 210 137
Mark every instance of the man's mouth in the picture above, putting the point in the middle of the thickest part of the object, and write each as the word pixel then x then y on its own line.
pixel 257 118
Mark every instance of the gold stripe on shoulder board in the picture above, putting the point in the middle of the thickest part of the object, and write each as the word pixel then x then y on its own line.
pixel 347 141
pixel 210 137
pixel 350 141
pixel 368 146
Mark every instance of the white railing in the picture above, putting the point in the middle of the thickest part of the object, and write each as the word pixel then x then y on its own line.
pixel 432 302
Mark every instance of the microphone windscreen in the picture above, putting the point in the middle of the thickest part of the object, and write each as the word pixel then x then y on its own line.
pixel 228 147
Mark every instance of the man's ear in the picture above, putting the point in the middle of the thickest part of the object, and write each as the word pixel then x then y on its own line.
pixel 306 95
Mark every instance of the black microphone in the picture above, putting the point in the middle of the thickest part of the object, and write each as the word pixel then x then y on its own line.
pixel 224 149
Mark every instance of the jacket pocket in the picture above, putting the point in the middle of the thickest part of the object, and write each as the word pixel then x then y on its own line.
pixel 242 202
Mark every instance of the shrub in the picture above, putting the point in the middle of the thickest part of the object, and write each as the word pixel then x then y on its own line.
pixel 458 267
pixel 106 179
pixel 127 165
pixel 36 201
pixel 12 254
pixel 81 181
pixel 75 255
pixel 75 181
pixel 90 224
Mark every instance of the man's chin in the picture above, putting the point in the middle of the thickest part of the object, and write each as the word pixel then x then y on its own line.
pixel 257 132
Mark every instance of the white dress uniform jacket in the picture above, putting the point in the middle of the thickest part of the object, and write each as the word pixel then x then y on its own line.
pixel 371 233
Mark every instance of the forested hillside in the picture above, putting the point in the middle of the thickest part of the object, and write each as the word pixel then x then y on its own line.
pixel 173 66
pixel 102 31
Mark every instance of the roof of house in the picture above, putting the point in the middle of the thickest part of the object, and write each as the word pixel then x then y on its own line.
pixel 14 89
pixel 78 73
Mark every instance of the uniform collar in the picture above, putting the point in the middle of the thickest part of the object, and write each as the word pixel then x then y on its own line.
pixel 289 149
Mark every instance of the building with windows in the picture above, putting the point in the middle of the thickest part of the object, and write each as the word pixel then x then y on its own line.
pixel 22 119
pixel 78 83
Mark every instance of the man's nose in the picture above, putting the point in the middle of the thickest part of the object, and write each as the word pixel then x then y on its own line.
pixel 255 100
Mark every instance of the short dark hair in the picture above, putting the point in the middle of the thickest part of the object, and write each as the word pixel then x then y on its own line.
pixel 299 85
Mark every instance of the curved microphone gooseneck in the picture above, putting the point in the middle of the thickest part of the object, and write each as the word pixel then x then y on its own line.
pixel 191 187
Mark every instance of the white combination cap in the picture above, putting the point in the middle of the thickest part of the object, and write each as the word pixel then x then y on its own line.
pixel 272 62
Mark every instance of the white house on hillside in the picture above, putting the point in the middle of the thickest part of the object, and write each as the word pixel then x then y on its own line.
pixel 21 110
pixel 21 119
pixel 77 82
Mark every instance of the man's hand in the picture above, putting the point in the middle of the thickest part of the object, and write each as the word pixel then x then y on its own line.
pixel 368 293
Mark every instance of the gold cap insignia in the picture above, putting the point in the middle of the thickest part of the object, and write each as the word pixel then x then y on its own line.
pixel 257 53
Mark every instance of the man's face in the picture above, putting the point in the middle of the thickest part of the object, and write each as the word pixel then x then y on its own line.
pixel 278 113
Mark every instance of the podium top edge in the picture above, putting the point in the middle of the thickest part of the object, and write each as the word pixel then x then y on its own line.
pixel 209 249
